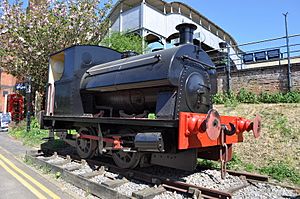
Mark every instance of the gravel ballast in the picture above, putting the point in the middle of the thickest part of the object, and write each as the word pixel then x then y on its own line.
pixel 130 187
pixel 208 178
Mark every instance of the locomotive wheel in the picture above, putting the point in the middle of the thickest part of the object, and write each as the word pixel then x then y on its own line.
pixel 126 160
pixel 86 148
pixel 123 159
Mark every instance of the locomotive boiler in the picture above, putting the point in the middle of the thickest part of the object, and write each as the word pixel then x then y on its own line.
pixel 146 109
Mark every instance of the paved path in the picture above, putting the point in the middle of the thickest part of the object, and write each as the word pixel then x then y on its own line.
pixel 17 180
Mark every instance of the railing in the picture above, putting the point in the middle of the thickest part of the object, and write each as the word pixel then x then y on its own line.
pixel 253 54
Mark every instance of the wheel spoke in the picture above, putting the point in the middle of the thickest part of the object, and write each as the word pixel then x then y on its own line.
pixel 126 159
pixel 86 147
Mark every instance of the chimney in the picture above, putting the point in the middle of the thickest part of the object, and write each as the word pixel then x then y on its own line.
pixel 186 32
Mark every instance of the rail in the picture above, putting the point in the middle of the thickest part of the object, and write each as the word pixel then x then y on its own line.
pixel 159 184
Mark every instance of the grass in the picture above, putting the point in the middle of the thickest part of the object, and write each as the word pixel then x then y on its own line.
pixel 281 171
pixel 281 126
pixel 244 96
pixel 32 138
pixel 277 152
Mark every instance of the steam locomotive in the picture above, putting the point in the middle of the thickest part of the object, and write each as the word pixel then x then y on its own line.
pixel 146 109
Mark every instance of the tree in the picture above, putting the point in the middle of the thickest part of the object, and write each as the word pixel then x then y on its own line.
pixel 124 41
pixel 29 35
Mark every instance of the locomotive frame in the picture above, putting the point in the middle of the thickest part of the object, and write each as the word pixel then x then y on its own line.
pixel 111 106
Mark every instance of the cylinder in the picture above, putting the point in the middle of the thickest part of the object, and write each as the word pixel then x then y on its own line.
pixel 186 31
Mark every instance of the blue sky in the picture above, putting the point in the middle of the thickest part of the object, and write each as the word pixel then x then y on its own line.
pixel 254 20
pixel 251 20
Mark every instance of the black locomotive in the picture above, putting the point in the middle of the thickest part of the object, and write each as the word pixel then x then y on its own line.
pixel 134 107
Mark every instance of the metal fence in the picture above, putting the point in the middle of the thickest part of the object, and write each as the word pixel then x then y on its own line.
pixel 283 50
pixel 246 54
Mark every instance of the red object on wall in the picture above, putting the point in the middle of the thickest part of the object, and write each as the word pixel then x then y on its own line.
pixel 15 105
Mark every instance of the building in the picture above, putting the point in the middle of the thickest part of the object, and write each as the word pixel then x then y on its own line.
pixel 7 85
pixel 155 20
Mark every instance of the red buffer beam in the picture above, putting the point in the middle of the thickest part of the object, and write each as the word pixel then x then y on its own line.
pixel 203 130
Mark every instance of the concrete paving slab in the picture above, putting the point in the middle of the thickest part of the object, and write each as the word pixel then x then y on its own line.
pixel 12 188
pixel 12 145
pixel 17 179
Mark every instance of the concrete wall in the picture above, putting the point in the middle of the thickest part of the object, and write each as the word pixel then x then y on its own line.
pixel 272 79
pixel 7 83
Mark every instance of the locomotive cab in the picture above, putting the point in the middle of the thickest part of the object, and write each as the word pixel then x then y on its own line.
pixel 65 68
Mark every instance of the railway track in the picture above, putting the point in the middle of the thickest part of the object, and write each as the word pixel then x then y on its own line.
pixel 105 180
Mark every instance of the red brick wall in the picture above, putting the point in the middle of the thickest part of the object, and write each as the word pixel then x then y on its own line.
pixel 7 83
pixel 271 79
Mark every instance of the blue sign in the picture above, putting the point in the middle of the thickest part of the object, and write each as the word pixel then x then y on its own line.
pixel 21 86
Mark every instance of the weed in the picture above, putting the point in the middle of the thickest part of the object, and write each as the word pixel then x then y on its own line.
pixel 28 161
pixel 208 163
pixel 281 171
pixel 244 96
pixel 235 162
pixel 281 125
pixel 249 167
pixel 57 175
pixel 31 138
pixel 45 169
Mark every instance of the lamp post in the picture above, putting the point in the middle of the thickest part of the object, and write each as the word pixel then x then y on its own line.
pixel 223 46
pixel 28 93
pixel 288 53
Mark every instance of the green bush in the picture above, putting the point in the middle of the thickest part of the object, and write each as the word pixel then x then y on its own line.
pixel 228 99
pixel 244 96
pixel 218 98
pixel 32 138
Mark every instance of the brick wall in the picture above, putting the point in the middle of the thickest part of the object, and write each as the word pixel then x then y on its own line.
pixel 7 83
pixel 271 79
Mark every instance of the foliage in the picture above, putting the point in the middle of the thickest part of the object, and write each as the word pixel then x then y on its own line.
pixel 124 42
pixel 228 99
pixel 249 167
pixel 244 96
pixel 33 137
pixel 235 162
pixel 290 97
pixel 57 175
pixel 281 171
pixel 281 125
pixel 208 163
pixel 29 35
